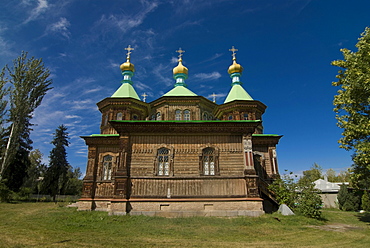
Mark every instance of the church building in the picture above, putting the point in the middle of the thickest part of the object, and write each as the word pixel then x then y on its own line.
pixel 181 154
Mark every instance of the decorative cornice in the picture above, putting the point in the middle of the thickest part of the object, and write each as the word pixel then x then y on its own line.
pixel 185 127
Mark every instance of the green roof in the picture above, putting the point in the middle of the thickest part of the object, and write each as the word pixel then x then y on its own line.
pixel 180 91
pixel 237 92
pixel 126 90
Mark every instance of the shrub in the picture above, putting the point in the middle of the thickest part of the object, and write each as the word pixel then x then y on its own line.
pixel 347 200
pixel 5 192
pixel 365 201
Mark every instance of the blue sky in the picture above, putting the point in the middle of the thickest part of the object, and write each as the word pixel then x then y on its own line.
pixel 285 47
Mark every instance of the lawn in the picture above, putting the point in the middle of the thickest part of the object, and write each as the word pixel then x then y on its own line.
pixel 53 225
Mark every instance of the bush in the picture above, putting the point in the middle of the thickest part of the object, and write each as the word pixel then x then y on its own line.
pixel 301 197
pixel 365 201
pixel 309 202
pixel 347 200
pixel 5 192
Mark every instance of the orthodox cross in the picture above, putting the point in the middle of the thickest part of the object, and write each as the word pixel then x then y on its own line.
pixel 214 97
pixel 129 49
pixel 180 51
pixel 233 50
pixel 144 96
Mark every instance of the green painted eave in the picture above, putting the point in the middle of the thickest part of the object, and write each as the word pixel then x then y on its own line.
pixel 266 135
pixel 126 90
pixel 194 121
pixel 237 92
pixel 180 91
pixel 104 135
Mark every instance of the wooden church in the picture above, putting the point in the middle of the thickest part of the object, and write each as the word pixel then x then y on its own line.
pixel 181 154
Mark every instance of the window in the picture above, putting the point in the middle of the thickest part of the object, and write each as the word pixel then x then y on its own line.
pixel 153 118
pixel 230 117
pixel 163 162
pixel 135 117
pixel 107 167
pixel 187 115
pixel 205 116
pixel 208 161
pixel 159 116
pixel 178 115
pixel 119 116
pixel 245 116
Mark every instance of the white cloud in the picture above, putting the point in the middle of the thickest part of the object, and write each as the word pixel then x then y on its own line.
pixel 208 76
pixel 42 6
pixel 60 27
pixel 128 22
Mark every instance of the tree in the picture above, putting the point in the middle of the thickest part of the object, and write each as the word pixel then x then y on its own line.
pixel 352 103
pixel 29 83
pixel 343 176
pixel 74 183
pixel 365 201
pixel 347 200
pixel 56 174
pixel 35 171
pixel 312 174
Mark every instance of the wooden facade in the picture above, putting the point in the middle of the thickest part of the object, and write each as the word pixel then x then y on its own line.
pixel 180 156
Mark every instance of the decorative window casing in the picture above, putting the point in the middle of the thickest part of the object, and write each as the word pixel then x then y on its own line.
pixel 135 117
pixel 158 118
pixel 108 163
pixel 119 116
pixel 205 116
pixel 187 116
pixel 209 162
pixel 107 167
pixel 178 115
pixel 164 161
pixel 245 116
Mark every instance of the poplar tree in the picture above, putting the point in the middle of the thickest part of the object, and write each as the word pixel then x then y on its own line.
pixel 29 81
pixel 56 177
pixel 352 103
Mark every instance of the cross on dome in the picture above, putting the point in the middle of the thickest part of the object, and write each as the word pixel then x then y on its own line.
pixel 180 51
pixel 144 96
pixel 233 49
pixel 129 49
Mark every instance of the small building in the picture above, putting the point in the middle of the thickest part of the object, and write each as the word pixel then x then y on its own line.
pixel 328 192
pixel 181 154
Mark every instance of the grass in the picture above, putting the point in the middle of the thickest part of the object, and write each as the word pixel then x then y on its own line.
pixel 53 225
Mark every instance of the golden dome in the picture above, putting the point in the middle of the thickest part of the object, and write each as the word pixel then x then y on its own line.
pixel 235 67
pixel 127 66
pixel 180 68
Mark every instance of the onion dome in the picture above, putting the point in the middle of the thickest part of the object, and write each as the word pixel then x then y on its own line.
pixel 235 67
pixel 127 66
pixel 180 68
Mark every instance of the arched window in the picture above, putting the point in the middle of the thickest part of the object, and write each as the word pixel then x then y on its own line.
pixel 245 116
pixel 135 117
pixel 187 115
pixel 205 116
pixel 178 115
pixel 107 167
pixel 230 117
pixel 119 116
pixel 209 162
pixel 163 162
pixel 159 116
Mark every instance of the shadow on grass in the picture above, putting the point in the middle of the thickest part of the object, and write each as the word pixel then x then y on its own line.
pixel 365 217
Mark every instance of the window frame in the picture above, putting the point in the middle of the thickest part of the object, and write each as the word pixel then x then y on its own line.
pixel 205 156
